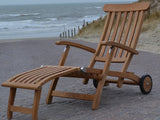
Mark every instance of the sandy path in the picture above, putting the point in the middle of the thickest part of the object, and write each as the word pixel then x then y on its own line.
pixel 116 104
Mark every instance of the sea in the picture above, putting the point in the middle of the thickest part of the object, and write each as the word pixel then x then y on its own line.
pixel 48 20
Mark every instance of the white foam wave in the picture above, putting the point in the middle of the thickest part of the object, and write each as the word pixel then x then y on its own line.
pixel 27 24
pixel 98 7
pixel 89 18
pixel 19 15
pixel 52 19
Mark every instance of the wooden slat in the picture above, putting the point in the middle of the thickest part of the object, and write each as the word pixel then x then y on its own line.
pixel 84 75
pixel 127 75
pixel 126 7
pixel 73 69
pixel 26 77
pixel 30 71
pixel 23 77
pixel 114 60
pixel 126 33
pixel 21 109
pixel 124 82
pixel 73 95
pixel 118 60
pixel 121 31
pixel 119 45
pixel 139 25
pixel 132 32
pixel 106 26
pixel 17 85
pixel 133 28
pixel 108 33
pixel 115 29
pixel 64 56
pixel 94 70
pixel 37 79
pixel 37 75
pixel 69 43
pixel 35 82
pixel 116 26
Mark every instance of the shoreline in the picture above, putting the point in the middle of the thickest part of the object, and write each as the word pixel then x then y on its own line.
pixel 26 39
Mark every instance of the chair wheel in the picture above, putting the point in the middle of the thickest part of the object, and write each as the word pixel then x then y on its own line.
pixel 146 84
pixel 95 83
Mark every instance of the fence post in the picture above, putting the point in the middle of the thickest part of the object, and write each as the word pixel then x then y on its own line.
pixel 78 29
pixel 65 34
pixel 74 31
pixel 68 34
pixel 83 23
pixel 86 23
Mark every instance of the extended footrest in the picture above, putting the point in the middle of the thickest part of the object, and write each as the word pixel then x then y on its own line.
pixel 34 79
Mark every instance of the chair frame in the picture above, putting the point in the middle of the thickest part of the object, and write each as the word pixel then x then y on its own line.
pixel 108 51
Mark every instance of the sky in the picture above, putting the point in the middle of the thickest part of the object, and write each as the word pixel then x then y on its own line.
pixel 17 2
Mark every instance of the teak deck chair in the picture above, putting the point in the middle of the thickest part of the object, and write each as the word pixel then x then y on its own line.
pixel 117 45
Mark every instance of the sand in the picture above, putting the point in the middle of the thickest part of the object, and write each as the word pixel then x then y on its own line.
pixel 20 55
pixel 116 104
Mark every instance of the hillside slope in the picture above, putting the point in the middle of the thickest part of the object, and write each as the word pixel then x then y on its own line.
pixel 152 19
pixel 149 38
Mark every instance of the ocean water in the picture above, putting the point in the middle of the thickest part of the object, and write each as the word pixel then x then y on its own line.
pixel 32 21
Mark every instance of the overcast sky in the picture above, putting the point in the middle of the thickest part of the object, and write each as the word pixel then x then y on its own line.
pixel 14 2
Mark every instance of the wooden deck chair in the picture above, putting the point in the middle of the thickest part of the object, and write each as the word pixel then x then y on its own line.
pixel 117 45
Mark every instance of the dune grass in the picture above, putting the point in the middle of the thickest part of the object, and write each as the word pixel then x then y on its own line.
pixel 96 27
pixel 151 20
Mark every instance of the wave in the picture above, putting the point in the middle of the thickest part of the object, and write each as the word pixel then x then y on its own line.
pixel 98 7
pixel 52 19
pixel 89 18
pixel 27 25
pixel 19 15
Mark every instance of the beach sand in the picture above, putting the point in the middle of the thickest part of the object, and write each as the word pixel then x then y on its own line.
pixel 116 104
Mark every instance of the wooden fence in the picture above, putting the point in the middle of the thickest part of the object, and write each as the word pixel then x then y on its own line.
pixel 73 32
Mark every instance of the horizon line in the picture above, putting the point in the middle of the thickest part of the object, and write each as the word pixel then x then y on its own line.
pixel 69 3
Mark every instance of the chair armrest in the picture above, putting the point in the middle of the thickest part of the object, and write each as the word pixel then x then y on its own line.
pixel 89 49
pixel 114 44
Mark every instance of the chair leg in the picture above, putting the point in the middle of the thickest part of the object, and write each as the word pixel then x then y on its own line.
pixel 36 104
pixel 97 97
pixel 120 82
pixel 85 81
pixel 11 102
pixel 52 88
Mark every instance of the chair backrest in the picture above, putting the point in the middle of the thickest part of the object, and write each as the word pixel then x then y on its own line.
pixel 122 25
